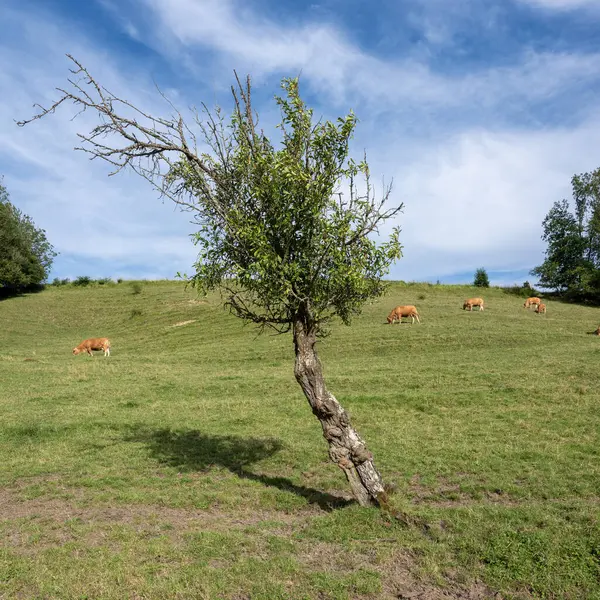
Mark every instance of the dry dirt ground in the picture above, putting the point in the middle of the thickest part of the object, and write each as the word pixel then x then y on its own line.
pixel 398 572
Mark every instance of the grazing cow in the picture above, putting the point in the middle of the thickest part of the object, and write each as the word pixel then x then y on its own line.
pixel 471 302
pixel 541 308
pixel 532 302
pixel 403 311
pixel 93 344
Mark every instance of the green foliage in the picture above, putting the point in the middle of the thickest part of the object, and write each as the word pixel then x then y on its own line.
pixel 572 263
pixel 25 254
pixel 481 278
pixel 82 281
pixel 104 280
pixel 525 290
pixel 136 288
pixel 286 230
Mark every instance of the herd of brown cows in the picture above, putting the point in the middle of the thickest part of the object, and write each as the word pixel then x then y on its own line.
pixel 411 311
pixel 396 315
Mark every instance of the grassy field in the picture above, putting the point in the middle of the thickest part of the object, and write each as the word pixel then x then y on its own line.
pixel 167 470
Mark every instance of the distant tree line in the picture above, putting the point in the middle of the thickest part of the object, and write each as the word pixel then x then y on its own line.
pixel 26 255
pixel 572 232
pixel 83 281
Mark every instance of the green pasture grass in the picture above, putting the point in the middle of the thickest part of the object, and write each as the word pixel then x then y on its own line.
pixel 188 463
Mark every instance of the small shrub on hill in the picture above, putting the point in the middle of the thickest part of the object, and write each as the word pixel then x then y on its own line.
pixel 82 280
pixel 525 290
pixel 136 288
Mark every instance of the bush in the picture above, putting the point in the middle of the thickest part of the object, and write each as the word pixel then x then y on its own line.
pixel 136 288
pixel 422 296
pixel 82 280
pixel 104 280
pixel 58 282
pixel 26 255
pixel 135 312
pixel 119 280
pixel 481 278
pixel 525 290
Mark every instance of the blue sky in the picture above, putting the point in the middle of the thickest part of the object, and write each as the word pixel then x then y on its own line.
pixel 480 111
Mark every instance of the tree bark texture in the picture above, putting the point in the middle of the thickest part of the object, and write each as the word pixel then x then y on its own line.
pixel 346 448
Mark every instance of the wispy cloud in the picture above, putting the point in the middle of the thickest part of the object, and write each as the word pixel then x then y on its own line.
pixel 563 5
pixel 337 68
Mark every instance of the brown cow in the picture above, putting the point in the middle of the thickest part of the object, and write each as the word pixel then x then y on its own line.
pixel 532 302
pixel 541 308
pixel 93 344
pixel 471 302
pixel 403 311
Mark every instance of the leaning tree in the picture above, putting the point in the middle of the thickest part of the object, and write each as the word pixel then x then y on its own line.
pixel 285 230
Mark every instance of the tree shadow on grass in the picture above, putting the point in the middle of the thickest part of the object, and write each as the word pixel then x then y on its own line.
pixel 189 450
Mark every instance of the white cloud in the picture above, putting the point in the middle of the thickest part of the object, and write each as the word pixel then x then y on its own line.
pixel 564 5
pixel 479 198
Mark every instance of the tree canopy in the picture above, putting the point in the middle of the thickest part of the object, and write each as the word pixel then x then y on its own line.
pixel 481 278
pixel 572 234
pixel 26 255
pixel 276 231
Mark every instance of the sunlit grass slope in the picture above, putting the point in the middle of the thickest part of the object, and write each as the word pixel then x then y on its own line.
pixel 188 464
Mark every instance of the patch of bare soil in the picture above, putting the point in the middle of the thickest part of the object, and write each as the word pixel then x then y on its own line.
pixel 143 517
pixel 182 323
pixel 448 495
pixel 398 569
pixel 188 302
pixel 398 572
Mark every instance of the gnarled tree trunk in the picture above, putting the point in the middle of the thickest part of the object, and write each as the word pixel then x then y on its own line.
pixel 346 448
